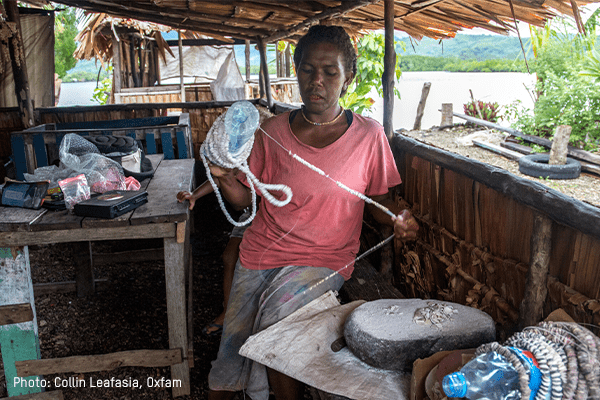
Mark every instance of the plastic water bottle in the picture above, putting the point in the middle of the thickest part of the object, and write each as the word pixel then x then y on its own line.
pixel 490 376
pixel 241 121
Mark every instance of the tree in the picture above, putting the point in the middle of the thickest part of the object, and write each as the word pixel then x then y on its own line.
pixel 65 30
pixel 370 69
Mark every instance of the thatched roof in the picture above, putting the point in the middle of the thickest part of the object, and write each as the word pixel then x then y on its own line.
pixel 274 19
pixel 95 39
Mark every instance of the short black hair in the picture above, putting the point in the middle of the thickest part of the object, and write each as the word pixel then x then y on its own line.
pixel 335 35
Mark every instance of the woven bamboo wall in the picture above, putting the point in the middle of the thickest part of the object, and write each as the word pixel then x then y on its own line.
pixel 10 121
pixel 475 245
pixel 201 120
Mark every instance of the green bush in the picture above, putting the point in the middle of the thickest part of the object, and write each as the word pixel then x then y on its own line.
pixel 455 64
pixel 369 72
pixel 567 90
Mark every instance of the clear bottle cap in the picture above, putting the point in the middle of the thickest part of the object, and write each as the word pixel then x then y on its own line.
pixel 455 385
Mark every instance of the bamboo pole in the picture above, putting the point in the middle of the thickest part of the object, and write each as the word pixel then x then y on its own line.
pixel 16 49
pixel 536 289
pixel 388 70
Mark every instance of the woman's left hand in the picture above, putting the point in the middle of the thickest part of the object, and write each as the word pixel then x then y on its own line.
pixel 405 226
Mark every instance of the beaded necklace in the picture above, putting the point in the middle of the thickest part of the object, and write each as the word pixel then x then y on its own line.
pixel 321 123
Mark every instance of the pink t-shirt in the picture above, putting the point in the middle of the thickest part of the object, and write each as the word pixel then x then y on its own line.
pixel 321 225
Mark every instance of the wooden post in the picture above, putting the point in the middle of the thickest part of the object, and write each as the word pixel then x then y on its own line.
pixel 16 49
pixel 265 71
pixel 84 274
pixel 261 82
pixel 278 59
pixel 175 267
pixel 247 61
pixel 180 46
pixel 530 311
pixel 560 142
pixel 132 62
pixel 421 107
pixel 116 45
pixel 389 68
pixel 288 60
pixel 18 342
pixel 446 114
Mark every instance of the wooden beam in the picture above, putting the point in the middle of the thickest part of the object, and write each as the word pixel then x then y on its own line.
pixel 180 49
pixel 143 255
pixel 16 49
pixel 247 54
pixel 204 42
pixel 265 71
pixel 15 313
pixel 345 7
pixel 511 155
pixel 102 362
pixel 140 106
pixel 157 230
pixel 536 286
pixel 65 287
pixel 389 67
pixel 160 15
pixel 116 45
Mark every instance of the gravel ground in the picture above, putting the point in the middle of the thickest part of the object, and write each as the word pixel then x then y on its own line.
pixel 584 188
pixel 130 314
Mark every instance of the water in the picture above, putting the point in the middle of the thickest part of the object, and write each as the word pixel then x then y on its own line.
pixel 77 94
pixel 446 87
pixel 453 87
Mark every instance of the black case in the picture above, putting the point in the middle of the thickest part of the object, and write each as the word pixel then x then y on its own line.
pixel 111 204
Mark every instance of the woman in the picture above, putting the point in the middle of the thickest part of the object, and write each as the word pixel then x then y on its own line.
pixel 316 236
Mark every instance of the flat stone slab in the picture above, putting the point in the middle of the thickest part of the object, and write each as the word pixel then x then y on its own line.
pixel 393 333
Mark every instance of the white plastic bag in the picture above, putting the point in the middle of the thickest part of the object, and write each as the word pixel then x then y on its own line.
pixel 229 84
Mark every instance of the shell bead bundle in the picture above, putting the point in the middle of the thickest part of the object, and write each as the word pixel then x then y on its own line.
pixel 568 355
pixel 228 144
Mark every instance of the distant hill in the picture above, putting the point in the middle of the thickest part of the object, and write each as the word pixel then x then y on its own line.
pixel 468 47
pixel 464 47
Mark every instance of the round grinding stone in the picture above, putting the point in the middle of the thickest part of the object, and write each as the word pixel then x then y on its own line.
pixel 393 333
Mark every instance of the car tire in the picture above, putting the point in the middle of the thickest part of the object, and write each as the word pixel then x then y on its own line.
pixel 537 165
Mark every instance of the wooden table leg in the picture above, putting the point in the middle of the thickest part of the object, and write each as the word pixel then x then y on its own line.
pixel 175 268
pixel 84 274
pixel 18 342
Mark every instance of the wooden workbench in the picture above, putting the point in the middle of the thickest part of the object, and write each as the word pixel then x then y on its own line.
pixel 162 217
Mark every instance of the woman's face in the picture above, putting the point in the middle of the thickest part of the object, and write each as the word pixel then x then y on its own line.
pixel 321 77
